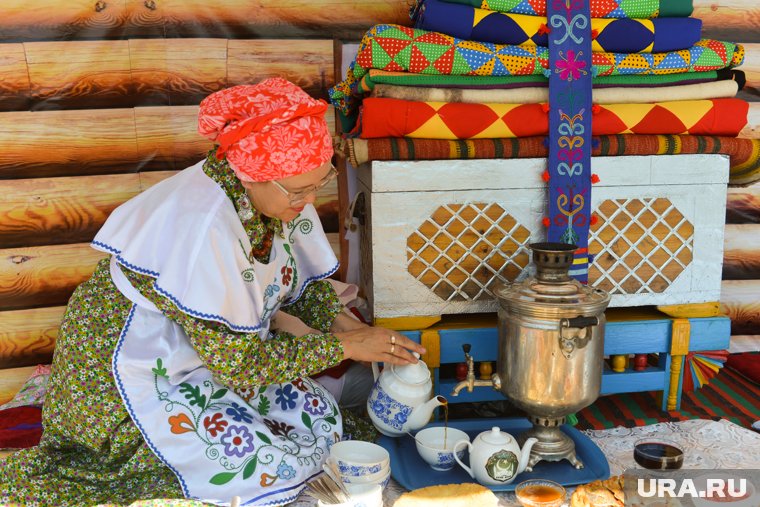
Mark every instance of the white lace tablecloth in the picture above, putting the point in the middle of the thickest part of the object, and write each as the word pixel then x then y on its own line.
pixel 707 444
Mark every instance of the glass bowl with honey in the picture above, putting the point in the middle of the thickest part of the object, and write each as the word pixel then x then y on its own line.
pixel 540 493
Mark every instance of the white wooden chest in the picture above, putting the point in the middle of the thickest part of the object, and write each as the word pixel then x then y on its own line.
pixel 438 235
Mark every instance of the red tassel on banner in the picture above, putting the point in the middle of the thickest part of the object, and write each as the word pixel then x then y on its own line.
pixel 594 220
pixel 545 176
pixel 595 178
pixel 546 222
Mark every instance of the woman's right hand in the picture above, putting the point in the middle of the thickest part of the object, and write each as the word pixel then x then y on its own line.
pixel 378 344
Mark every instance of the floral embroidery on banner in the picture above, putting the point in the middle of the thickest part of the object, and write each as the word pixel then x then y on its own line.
pixel 570 84
pixel 235 440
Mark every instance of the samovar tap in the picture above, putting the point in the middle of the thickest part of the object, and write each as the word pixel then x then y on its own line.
pixel 470 382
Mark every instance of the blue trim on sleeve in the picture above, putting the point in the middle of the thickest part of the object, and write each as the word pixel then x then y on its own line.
pixel 173 299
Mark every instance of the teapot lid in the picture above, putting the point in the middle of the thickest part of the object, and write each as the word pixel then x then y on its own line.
pixel 412 373
pixel 496 436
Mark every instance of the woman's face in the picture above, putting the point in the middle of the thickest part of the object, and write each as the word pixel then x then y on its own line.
pixel 272 201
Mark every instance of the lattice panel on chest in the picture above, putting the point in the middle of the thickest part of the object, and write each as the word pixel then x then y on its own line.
pixel 639 245
pixel 462 250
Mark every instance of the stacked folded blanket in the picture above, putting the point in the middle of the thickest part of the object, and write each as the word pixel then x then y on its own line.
pixel 478 70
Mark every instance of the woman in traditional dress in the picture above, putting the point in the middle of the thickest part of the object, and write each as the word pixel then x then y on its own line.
pixel 170 378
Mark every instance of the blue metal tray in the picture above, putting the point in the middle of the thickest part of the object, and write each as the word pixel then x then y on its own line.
pixel 409 470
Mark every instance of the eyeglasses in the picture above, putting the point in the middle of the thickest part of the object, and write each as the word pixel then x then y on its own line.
pixel 298 198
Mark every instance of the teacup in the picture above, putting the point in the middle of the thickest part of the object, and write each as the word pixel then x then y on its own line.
pixel 362 495
pixel 435 445
pixel 356 458
pixel 381 478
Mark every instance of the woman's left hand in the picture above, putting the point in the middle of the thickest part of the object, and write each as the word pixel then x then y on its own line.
pixel 376 344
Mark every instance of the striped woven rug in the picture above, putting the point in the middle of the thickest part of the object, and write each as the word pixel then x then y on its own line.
pixel 729 395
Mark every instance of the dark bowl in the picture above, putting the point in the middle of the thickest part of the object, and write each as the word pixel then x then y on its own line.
pixel 658 454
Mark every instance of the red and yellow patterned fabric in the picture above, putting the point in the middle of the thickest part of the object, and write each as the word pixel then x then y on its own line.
pixel 382 117
pixel 267 131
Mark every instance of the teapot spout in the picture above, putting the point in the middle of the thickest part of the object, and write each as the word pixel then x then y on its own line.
pixel 525 454
pixel 422 413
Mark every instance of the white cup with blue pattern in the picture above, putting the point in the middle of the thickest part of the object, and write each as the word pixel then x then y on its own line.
pixel 356 458
pixel 435 445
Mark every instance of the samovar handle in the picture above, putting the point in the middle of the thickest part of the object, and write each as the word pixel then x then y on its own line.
pixel 568 343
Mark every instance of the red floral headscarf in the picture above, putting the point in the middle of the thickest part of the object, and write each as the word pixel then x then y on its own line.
pixel 267 131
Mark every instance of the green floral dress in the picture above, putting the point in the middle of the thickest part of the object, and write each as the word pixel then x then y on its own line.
pixel 91 451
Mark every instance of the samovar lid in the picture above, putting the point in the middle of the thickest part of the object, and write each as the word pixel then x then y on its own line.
pixel 552 289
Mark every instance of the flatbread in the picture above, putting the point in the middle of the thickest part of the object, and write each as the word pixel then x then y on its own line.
pixel 449 495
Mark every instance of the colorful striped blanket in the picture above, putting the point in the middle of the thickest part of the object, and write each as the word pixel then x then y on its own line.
pixel 625 35
pixel 599 8
pixel 744 153
pixel 400 48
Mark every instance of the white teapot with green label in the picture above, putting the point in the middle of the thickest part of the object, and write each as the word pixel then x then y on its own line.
pixel 495 457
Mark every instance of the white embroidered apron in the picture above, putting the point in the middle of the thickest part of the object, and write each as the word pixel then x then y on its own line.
pixel 261 447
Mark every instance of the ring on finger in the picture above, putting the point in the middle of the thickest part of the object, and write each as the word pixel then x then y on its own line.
pixel 393 348
pixel 393 339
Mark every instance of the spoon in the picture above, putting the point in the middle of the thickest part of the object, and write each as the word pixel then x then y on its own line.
pixel 331 469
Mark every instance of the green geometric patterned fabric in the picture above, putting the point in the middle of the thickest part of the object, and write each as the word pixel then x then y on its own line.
pixel 599 8
pixel 405 49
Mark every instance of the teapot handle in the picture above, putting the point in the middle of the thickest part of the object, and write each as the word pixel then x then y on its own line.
pixel 456 457
pixel 375 370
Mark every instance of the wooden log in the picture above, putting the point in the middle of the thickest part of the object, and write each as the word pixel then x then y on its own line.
pixel 743 205
pixel 48 211
pixel 751 69
pixel 307 63
pixel 323 19
pixel 741 252
pixel 45 211
pixel 144 18
pixel 27 337
pixel 90 19
pixel 167 137
pixel 740 302
pixel 66 143
pixel 752 130
pixel 45 275
pixel 143 72
pixel 80 75
pixel 12 380
pixel 14 78
pixel 103 19
pixel 56 20
pixel 102 141
pixel 734 20
pixel 148 179
pixel 177 71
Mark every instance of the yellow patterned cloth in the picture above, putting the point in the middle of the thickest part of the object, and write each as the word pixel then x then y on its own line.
pixel 456 120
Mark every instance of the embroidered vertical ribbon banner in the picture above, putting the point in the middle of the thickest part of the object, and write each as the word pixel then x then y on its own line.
pixel 569 171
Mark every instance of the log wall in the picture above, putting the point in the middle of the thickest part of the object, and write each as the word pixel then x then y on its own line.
pixel 99 99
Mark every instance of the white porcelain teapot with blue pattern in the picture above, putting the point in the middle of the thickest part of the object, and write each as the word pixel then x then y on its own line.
pixel 402 398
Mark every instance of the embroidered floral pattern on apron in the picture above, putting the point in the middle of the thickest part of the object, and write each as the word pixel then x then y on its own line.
pixel 232 433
